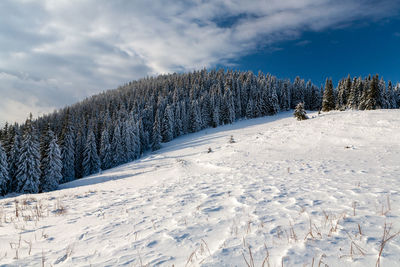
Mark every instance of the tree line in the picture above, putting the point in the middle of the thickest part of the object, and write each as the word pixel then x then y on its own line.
pixel 118 126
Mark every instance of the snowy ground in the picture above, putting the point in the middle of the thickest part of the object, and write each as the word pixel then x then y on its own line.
pixel 303 193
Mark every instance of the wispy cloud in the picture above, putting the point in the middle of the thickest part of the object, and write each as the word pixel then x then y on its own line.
pixel 303 43
pixel 55 52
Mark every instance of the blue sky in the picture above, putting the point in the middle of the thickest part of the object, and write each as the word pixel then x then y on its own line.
pixel 56 52
pixel 359 49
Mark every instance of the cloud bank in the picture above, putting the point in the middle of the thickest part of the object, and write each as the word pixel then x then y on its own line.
pixel 55 52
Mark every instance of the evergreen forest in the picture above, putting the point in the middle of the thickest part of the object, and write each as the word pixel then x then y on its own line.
pixel 120 125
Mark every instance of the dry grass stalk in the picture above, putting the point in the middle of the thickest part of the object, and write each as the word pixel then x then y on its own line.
pixel 354 207
pixel 266 259
pixel 386 237
pixel 250 262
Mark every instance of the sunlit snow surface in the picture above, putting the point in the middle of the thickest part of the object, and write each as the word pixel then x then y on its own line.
pixel 292 191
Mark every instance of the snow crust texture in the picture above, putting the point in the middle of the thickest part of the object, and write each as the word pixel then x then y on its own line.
pixel 279 191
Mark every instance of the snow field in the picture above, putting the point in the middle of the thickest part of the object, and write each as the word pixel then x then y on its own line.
pixel 285 192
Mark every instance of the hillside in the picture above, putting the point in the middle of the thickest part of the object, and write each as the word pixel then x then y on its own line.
pixel 119 126
pixel 312 192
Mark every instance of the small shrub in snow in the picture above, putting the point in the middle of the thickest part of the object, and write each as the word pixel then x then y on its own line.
pixel 300 113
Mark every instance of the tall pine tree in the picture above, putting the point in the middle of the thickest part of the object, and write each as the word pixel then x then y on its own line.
pixel 52 165
pixel 67 151
pixel 105 150
pixel 4 177
pixel 13 160
pixel 28 174
pixel 156 133
pixel 91 160
pixel 373 95
pixel 328 101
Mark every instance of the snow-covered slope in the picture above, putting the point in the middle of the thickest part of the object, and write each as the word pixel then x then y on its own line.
pixel 312 192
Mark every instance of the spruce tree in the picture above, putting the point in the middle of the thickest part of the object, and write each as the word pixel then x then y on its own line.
pixel 105 150
pixel 116 146
pixel 91 160
pixel 28 174
pixel 13 160
pixel 52 165
pixel 299 113
pixel 250 109
pixel 67 152
pixel 195 119
pixel 167 125
pixel 156 133
pixel 352 100
pixel 4 177
pixel 328 101
pixel 373 94
pixel 80 142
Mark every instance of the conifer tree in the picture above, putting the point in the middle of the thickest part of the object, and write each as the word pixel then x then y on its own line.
pixel 352 100
pixel 300 113
pixel 285 96
pixel 167 125
pixel 67 151
pixel 13 160
pixel 105 150
pixel 4 177
pixel 91 160
pixel 156 133
pixel 178 127
pixel 52 165
pixel 250 109
pixel 116 146
pixel 195 119
pixel 79 152
pixel 373 95
pixel 28 174
pixel 391 96
pixel 328 101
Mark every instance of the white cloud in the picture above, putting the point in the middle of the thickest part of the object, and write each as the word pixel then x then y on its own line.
pixel 56 52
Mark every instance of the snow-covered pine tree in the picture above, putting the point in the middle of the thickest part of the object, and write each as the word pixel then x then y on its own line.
pixel 80 142
pixel 373 95
pixel 299 113
pixel 116 146
pixel 136 140
pixel 130 139
pixel 344 89
pixel 285 96
pixel 178 127
pixel 67 151
pixel 105 150
pixel 391 96
pixel 383 100
pixel 52 165
pixel 167 125
pixel 28 174
pixel 273 101
pixel 315 98
pixel 215 107
pixel 195 118
pixel 352 100
pixel 250 109
pixel 156 133
pixel 328 101
pixel 298 91
pixel 143 136
pixel 44 142
pixel 4 177
pixel 91 160
pixel 13 160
